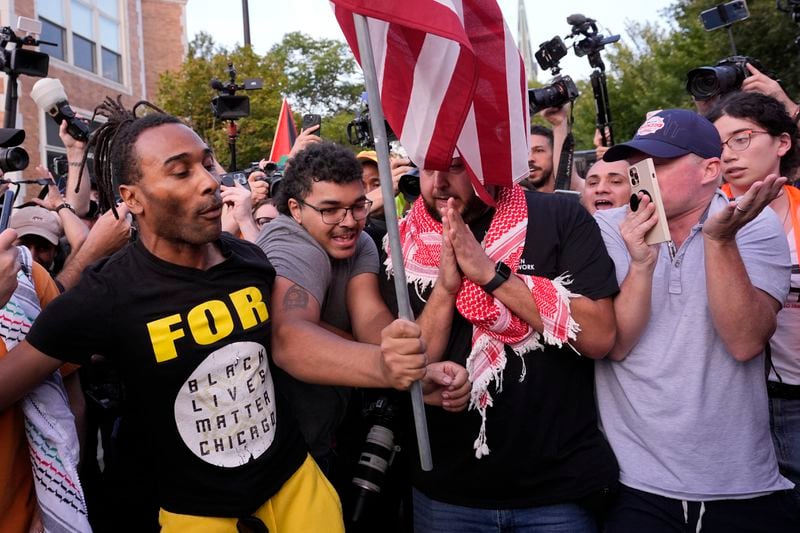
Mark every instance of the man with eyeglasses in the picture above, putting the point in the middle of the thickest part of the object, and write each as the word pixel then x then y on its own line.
pixel 332 330
pixel 682 396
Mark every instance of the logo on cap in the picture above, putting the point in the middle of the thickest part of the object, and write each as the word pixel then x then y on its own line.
pixel 651 125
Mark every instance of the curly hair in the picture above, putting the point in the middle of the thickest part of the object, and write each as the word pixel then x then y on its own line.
pixel 324 161
pixel 768 113
pixel 112 145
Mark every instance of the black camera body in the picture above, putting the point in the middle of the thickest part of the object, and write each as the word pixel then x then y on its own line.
pixel 592 43
pixel 13 157
pixel 726 76
pixel 558 93
pixel 408 184
pixel 550 53
pixel 227 105
pixel 20 60
pixel 359 131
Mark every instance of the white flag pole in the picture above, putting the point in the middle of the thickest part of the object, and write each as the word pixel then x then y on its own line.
pixel 390 211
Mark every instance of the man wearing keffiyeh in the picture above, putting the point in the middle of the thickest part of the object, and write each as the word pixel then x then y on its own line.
pixel 529 284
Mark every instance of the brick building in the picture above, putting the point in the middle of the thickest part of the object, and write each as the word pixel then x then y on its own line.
pixel 103 48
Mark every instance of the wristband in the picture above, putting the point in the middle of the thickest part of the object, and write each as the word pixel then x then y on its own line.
pixel 65 205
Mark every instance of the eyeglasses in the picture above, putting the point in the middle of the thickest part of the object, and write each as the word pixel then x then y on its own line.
pixel 334 215
pixel 739 142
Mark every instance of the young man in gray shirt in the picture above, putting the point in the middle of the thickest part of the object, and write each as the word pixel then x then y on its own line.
pixel 332 330
pixel 682 397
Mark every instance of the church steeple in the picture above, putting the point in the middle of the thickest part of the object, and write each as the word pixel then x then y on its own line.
pixel 524 42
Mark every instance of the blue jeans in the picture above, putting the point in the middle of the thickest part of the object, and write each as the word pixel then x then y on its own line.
pixel 432 516
pixel 784 421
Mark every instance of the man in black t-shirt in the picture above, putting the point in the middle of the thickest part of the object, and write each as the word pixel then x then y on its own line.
pixel 540 460
pixel 184 313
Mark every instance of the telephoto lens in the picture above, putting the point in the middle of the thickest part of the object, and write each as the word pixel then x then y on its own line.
pixel 373 462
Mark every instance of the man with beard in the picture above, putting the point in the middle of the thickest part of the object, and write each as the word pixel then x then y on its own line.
pixel 329 312
pixel 539 461
pixel 184 314
pixel 540 160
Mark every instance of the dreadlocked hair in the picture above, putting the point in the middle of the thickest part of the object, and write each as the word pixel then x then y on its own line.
pixel 112 145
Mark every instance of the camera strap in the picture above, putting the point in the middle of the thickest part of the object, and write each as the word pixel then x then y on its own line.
pixel 564 172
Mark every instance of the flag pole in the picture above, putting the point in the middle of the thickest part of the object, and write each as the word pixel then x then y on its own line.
pixel 390 212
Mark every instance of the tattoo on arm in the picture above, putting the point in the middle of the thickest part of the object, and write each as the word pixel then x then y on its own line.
pixel 295 298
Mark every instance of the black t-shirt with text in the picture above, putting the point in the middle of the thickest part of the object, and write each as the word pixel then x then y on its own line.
pixel 542 432
pixel 192 348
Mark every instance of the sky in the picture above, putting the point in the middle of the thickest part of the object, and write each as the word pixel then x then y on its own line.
pixel 271 19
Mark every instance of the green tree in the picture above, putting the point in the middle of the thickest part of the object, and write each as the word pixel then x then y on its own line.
pixel 315 76
pixel 650 72
pixel 321 76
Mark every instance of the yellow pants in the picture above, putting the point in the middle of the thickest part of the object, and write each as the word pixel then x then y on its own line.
pixel 306 503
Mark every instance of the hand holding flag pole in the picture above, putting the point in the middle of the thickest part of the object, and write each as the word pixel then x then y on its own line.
pixel 390 210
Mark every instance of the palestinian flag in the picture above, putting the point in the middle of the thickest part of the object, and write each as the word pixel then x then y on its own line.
pixel 285 133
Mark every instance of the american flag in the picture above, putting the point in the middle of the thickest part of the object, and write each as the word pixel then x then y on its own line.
pixel 452 82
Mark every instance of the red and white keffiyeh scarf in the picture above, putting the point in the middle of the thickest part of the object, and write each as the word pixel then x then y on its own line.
pixel 494 325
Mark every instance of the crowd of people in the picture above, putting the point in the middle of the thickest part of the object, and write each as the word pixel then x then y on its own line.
pixel 203 357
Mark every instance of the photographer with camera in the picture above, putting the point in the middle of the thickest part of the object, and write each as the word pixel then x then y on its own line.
pixel 376 223
pixel 546 152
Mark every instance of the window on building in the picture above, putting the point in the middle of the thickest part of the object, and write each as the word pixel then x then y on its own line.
pixel 87 33
pixel 53 33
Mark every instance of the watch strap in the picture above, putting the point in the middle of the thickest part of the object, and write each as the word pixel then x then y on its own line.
pixel 501 274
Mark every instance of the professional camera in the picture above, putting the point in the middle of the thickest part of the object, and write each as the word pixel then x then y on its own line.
pixel 20 60
pixel 377 454
pixel 359 130
pixel 12 156
pixel 562 89
pixel 550 53
pixel 726 76
pixel 409 184
pixel 593 42
pixel 227 105
pixel 558 93
pixel 49 95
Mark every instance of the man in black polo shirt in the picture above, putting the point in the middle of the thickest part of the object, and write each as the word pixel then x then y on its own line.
pixel 539 459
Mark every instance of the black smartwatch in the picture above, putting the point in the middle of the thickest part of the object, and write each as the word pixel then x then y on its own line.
pixel 501 274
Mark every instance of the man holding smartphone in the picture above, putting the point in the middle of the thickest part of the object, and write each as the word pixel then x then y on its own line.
pixel 682 396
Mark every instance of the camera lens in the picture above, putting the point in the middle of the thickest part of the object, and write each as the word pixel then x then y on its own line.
pixel 706 82
pixel 409 184
pixel 634 177
pixel 13 159
pixel 375 459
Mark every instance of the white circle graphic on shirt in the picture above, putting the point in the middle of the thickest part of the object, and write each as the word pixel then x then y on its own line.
pixel 225 411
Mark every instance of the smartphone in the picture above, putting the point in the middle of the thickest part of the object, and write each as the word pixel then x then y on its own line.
pixel 643 179
pixel 724 14
pixel 8 205
pixel 232 178
pixel 312 119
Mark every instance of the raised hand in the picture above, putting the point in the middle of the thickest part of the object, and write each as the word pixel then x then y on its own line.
pixel 724 224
